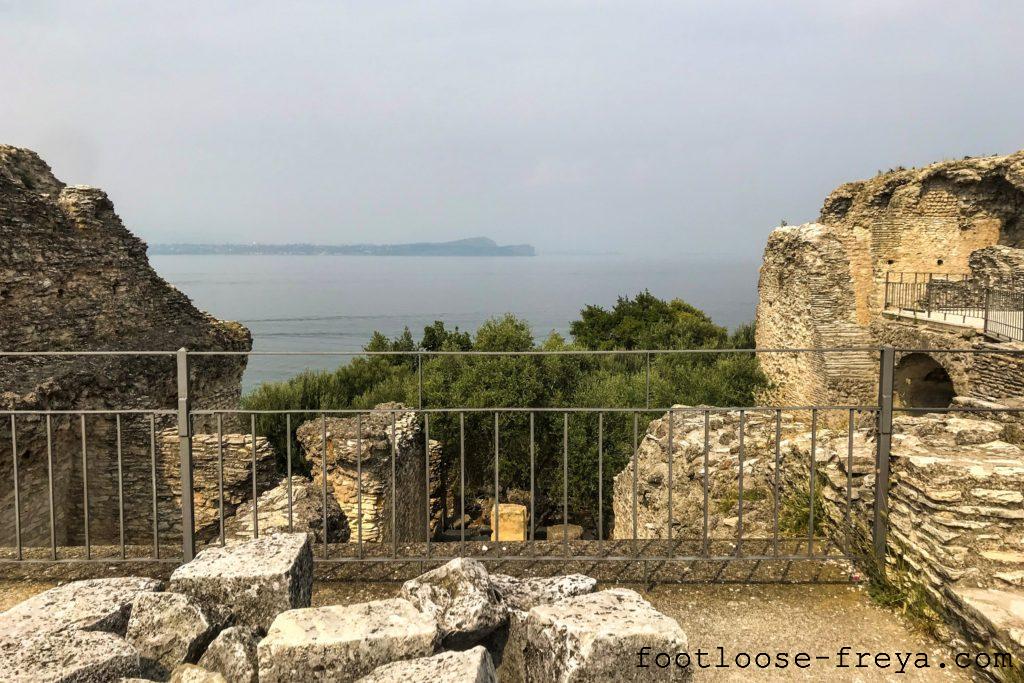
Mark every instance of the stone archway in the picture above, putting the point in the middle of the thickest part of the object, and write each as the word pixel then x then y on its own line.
pixel 922 382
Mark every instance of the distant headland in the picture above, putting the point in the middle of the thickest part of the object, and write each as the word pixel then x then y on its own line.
pixel 473 246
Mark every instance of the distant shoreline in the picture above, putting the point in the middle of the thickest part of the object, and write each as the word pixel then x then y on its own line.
pixel 477 246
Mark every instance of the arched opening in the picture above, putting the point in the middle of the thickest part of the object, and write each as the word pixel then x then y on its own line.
pixel 920 382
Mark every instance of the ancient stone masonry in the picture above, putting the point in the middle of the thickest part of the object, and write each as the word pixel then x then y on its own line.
pixel 73 278
pixel 362 446
pixel 956 514
pixel 824 284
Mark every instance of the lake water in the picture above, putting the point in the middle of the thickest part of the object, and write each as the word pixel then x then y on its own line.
pixel 334 303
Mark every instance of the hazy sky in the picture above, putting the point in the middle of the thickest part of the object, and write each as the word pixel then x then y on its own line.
pixel 657 127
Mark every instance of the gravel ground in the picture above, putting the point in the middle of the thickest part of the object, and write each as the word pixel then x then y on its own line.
pixel 816 619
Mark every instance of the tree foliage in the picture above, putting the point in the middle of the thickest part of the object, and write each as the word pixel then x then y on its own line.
pixel 555 380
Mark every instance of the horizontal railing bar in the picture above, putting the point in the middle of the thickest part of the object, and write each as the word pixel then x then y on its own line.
pixel 87 353
pixel 112 411
pixel 588 558
pixel 388 411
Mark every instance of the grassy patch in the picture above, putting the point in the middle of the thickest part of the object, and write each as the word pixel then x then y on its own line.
pixel 730 501
pixel 795 511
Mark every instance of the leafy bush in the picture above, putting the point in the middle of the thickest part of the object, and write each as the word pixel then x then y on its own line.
pixel 536 381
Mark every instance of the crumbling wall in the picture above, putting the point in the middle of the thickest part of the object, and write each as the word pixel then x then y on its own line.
pixel 73 278
pixel 823 284
pixel 361 452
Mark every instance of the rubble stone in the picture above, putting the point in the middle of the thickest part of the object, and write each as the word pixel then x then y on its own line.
pixel 233 654
pixel 469 666
pixel 255 579
pixel 460 597
pixel 343 643
pixel 169 629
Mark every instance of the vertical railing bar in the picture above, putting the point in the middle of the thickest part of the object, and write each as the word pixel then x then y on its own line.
pixel 426 473
pixel 152 472
pixel 255 488
pixel 647 403
pixel 49 476
pixel 220 475
pixel 85 488
pixel 394 474
pixel 462 484
pixel 120 485
pixel 775 482
pixel 739 511
pixel 705 482
pixel 636 474
pixel 17 491
pixel 849 481
pixel 496 509
pixel 565 484
pixel 188 520
pixel 288 466
pixel 419 377
pixel 671 421
pixel 600 476
pixel 359 484
pixel 532 482
pixel 323 475
pixel 885 405
pixel 814 474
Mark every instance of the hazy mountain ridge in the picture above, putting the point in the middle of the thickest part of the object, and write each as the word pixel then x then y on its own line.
pixel 473 246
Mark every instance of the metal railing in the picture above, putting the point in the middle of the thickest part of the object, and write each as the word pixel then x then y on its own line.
pixel 957 299
pixel 633 546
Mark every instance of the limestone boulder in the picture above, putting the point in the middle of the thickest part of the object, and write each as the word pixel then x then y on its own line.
pixel 256 580
pixel 190 673
pixel 91 605
pixel 460 597
pixel 596 637
pixel 307 513
pixel 522 595
pixel 70 656
pixel 469 666
pixel 343 643
pixel 564 532
pixel 233 655
pixel 169 629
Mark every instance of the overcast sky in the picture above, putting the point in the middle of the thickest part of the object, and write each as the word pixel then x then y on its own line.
pixel 659 127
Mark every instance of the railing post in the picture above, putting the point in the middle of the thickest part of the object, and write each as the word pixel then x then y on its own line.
pixel 885 298
pixel 188 538
pixel 988 303
pixel 885 399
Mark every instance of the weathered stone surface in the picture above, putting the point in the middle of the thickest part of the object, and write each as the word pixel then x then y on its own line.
pixel 510 522
pixel 342 643
pixel 91 605
pixel 75 279
pixel 823 284
pixel 70 656
pixel 522 595
pixel 596 637
pixel 190 673
pixel 363 445
pixel 563 532
pixel 233 655
pixel 255 579
pixel 307 513
pixel 460 597
pixel 169 629
pixel 470 666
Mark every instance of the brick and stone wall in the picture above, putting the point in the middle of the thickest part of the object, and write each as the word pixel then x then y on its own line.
pixel 73 278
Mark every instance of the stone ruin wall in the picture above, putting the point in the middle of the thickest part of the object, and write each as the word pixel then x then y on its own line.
pixel 823 284
pixel 73 278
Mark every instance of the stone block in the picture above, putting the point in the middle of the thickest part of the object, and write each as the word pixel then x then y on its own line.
pixel 343 643
pixel 469 666
pixel 522 595
pixel 510 522
pixel 596 637
pixel 233 654
pixel 67 657
pixel 169 629
pixel 307 513
pixel 460 597
pixel 562 532
pixel 91 605
pixel 190 673
pixel 256 579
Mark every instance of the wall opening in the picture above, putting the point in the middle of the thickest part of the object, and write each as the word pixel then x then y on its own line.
pixel 921 382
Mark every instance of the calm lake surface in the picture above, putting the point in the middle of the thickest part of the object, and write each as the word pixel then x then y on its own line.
pixel 334 303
